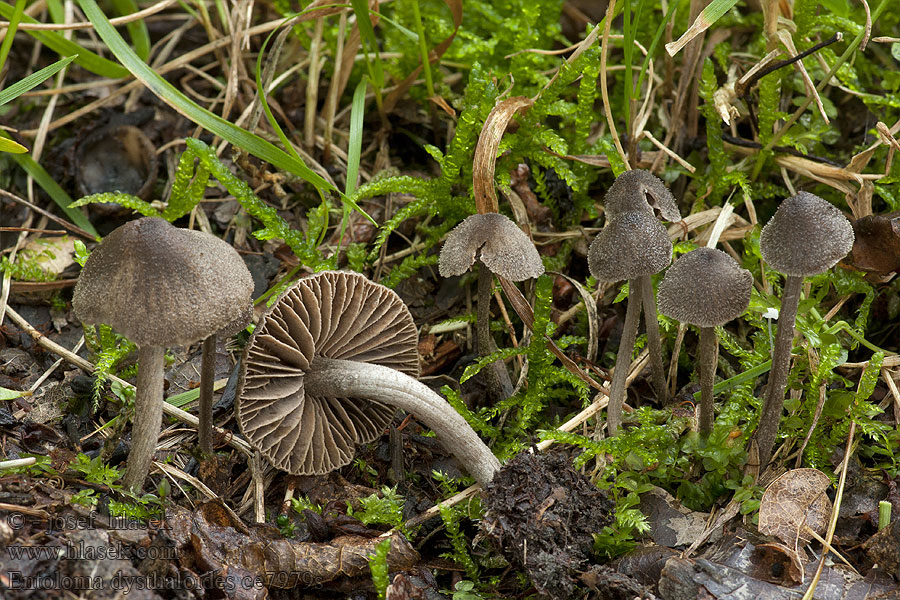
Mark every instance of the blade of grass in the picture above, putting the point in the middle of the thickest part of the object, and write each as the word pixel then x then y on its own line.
pixel 277 128
pixel 367 33
pixel 737 380
pixel 87 59
pixel 714 11
pixel 52 188
pixel 656 37
pixel 11 31
pixel 137 30
pixel 357 112
pixel 239 137
pixel 23 85
pixel 13 147
pixel 354 147
pixel 423 49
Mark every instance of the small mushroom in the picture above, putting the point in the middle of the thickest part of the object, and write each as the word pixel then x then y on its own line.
pixel 640 190
pixel 327 367
pixel 501 248
pixel 807 236
pixel 632 246
pixel 160 286
pixel 706 288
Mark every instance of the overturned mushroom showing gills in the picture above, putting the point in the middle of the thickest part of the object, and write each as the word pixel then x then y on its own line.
pixel 632 246
pixel 160 286
pixel 706 288
pixel 501 248
pixel 807 236
pixel 327 367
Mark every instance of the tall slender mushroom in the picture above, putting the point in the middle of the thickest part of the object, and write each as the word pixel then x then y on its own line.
pixel 807 236
pixel 640 190
pixel 706 288
pixel 632 246
pixel 160 286
pixel 326 368
pixel 500 247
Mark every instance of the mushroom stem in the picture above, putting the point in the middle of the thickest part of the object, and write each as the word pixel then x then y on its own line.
pixel 654 343
pixel 709 357
pixel 207 374
pixel 148 405
pixel 623 358
pixel 781 366
pixel 347 378
pixel 496 376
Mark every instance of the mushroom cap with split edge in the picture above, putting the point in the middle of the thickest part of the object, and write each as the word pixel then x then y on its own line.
pixel 705 287
pixel 807 236
pixel 160 285
pixel 505 249
pixel 640 190
pixel 333 314
pixel 631 245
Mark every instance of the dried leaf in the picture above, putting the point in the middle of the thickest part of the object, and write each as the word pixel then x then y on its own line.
pixel 486 151
pixel 876 247
pixel 794 504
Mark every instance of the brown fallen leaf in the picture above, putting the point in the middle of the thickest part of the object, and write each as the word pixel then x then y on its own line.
pixel 876 248
pixel 209 540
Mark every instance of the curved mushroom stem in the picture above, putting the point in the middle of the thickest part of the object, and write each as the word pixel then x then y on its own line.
pixel 623 358
pixel 207 374
pixel 773 404
pixel 148 407
pixel 352 379
pixel 654 343
pixel 496 376
pixel 709 357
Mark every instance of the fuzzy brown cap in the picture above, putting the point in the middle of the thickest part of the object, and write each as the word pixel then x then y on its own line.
pixel 705 287
pixel 631 245
pixel 505 249
pixel 807 236
pixel 643 191
pixel 160 285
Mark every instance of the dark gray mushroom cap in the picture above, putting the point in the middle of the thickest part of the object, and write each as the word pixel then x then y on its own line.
pixel 631 245
pixel 334 314
pixel 160 285
pixel 807 236
pixel 640 190
pixel 705 287
pixel 505 249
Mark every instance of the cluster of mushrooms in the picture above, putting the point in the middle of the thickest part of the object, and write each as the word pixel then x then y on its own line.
pixel 706 287
pixel 334 357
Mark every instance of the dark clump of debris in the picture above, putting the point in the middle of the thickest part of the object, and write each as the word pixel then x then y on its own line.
pixel 541 514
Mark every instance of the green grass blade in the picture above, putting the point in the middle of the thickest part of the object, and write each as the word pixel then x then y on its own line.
pixel 652 49
pixel 239 137
pixel 357 112
pixel 263 95
pixel 367 33
pixel 23 85
pixel 52 188
pixel 11 31
pixel 137 30
pixel 87 59
pixel 13 147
